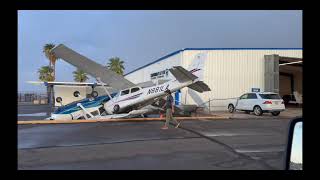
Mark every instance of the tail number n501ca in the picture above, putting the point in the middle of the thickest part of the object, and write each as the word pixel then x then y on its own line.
pixel 158 89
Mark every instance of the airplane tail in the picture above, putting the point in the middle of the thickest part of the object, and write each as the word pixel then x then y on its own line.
pixel 195 69
pixel 197 65
pixel 194 74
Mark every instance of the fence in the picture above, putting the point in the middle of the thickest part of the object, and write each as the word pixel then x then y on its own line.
pixel 217 104
pixel 214 104
pixel 32 98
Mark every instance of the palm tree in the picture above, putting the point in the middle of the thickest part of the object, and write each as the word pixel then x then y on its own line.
pixel 51 57
pixel 45 75
pixel 80 76
pixel 116 65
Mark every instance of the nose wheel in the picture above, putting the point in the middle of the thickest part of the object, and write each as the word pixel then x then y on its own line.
pixel 116 109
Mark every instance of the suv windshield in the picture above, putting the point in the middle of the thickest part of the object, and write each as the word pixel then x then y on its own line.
pixel 269 96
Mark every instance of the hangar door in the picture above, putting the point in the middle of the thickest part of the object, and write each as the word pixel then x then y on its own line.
pixel 286 84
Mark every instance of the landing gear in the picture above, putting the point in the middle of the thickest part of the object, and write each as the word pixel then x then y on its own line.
pixel 116 109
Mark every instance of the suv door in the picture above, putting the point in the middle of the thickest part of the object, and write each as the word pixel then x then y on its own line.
pixel 251 101
pixel 242 102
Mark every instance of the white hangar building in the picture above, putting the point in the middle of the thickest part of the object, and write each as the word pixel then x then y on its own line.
pixel 230 72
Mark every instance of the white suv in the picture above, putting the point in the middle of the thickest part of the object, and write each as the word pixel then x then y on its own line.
pixel 258 103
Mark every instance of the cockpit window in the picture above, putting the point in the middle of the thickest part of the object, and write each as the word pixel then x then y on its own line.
pixel 135 89
pixel 125 92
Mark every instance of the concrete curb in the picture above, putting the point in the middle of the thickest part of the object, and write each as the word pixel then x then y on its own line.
pixel 118 120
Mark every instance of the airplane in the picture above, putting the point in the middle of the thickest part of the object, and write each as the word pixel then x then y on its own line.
pixel 135 100
pixel 126 98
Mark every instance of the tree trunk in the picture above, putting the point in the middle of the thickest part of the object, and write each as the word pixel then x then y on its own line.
pixel 54 70
pixel 49 94
pixel 50 64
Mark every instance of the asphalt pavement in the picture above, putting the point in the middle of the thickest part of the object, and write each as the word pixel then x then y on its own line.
pixel 233 144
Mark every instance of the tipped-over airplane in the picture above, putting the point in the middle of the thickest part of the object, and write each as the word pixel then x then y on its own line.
pixel 135 100
pixel 126 99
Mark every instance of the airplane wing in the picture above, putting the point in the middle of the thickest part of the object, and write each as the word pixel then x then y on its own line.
pixel 150 83
pixel 65 83
pixel 90 67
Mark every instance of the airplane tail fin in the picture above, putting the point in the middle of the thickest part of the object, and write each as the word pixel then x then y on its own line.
pixel 197 65
pixel 182 75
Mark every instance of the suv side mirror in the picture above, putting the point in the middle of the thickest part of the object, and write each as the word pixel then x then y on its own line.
pixel 294 146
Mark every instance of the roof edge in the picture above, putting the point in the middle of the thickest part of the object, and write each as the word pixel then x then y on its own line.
pixel 186 49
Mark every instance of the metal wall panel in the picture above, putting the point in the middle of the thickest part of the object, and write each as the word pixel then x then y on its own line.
pixel 143 74
pixel 229 73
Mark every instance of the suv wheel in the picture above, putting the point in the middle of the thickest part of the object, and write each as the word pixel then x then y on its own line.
pixel 257 111
pixel 231 108
pixel 275 113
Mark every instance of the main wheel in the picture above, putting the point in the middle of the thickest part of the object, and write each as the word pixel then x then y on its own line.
pixel 116 108
pixel 94 94
pixel 275 113
pixel 231 108
pixel 257 111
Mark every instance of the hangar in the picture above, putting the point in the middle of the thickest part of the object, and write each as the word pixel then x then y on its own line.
pixel 230 72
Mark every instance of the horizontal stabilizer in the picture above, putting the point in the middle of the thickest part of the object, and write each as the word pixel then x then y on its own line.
pixel 181 74
pixel 92 68
pixel 199 86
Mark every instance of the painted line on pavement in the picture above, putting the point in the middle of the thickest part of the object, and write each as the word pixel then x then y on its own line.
pixel 117 120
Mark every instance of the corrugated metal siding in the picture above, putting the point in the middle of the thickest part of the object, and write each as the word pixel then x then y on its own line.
pixel 143 74
pixel 229 73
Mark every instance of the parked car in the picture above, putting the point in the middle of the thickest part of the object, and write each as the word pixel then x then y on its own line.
pixel 258 103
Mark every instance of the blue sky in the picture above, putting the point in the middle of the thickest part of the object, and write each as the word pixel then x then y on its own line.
pixel 140 37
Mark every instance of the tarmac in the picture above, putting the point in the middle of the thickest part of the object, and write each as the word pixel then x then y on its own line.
pixel 245 143
pixel 202 144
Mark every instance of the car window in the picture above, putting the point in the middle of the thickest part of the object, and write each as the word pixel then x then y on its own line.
pixel 245 96
pixel 124 92
pixel 135 89
pixel 252 96
pixel 270 96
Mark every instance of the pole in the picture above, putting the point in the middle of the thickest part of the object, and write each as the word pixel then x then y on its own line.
pixel 209 106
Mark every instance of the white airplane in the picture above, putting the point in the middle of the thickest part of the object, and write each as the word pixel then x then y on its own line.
pixel 135 100
pixel 126 99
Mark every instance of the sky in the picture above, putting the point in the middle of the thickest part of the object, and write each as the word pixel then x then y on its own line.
pixel 140 37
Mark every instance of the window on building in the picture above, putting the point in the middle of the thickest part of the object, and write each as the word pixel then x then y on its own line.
pixel 159 74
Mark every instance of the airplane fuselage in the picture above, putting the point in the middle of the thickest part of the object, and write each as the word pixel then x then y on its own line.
pixel 145 96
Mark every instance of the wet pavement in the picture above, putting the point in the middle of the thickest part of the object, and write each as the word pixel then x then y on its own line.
pixel 199 144
pixel 33 112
